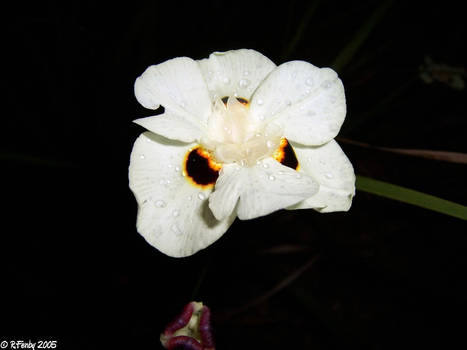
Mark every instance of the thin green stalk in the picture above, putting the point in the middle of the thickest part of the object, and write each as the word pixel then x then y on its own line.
pixel 360 36
pixel 410 196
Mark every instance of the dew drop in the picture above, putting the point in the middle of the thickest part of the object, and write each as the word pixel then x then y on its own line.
pixel 271 177
pixel 160 204
pixel 246 73
pixel 243 83
pixel 190 198
pixel 177 168
pixel 142 156
pixel 261 117
pixel 326 84
pixel 265 165
pixel 201 196
pixel 329 176
pixel 270 144
pixel 176 229
pixel 260 102
pixel 176 213
pixel 170 166
pixel 309 82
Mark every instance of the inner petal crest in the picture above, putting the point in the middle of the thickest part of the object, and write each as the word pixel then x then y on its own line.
pixel 235 137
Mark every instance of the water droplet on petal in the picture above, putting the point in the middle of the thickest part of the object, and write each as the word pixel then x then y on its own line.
pixel 261 117
pixel 270 144
pixel 326 84
pixel 176 213
pixel 142 156
pixel 309 82
pixel 160 204
pixel 201 196
pixel 329 176
pixel 177 168
pixel 243 83
pixel 260 102
pixel 265 165
pixel 190 198
pixel 271 177
pixel 176 229
pixel 246 73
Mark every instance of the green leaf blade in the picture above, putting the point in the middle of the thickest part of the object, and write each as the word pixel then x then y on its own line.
pixel 407 195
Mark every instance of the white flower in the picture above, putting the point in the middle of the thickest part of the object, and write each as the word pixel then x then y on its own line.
pixel 238 137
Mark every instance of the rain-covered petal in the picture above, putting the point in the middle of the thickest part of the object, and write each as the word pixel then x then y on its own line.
pixel 178 86
pixel 173 213
pixel 328 165
pixel 259 190
pixel 172 126
pixel 235 72
pixel 308 102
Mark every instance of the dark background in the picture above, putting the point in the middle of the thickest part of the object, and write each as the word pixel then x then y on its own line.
pixel 74 269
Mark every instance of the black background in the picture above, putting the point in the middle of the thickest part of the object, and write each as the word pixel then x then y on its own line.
pixel 73 267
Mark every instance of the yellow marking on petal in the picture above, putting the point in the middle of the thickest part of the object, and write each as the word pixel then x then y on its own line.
pixel 285 155
pixel 242 100
pixel 200 169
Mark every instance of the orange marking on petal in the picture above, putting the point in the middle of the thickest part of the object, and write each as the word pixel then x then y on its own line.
pixel 285 155
pixel 200 168
pixel 242 100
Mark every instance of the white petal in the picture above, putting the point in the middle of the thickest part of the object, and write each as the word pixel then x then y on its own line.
pixel 309 102
pixel 172 126
pixel 235 73
pixel 178 85
pixel 173 214
pixel 328 165
pixel 259 190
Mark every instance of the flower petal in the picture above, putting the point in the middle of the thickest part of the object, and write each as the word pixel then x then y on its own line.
pixel 259 190
pixel 173 214
pixel 235 73
pixel 328 165
pixel 309 102
pixel 172 126
pixel 178 85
